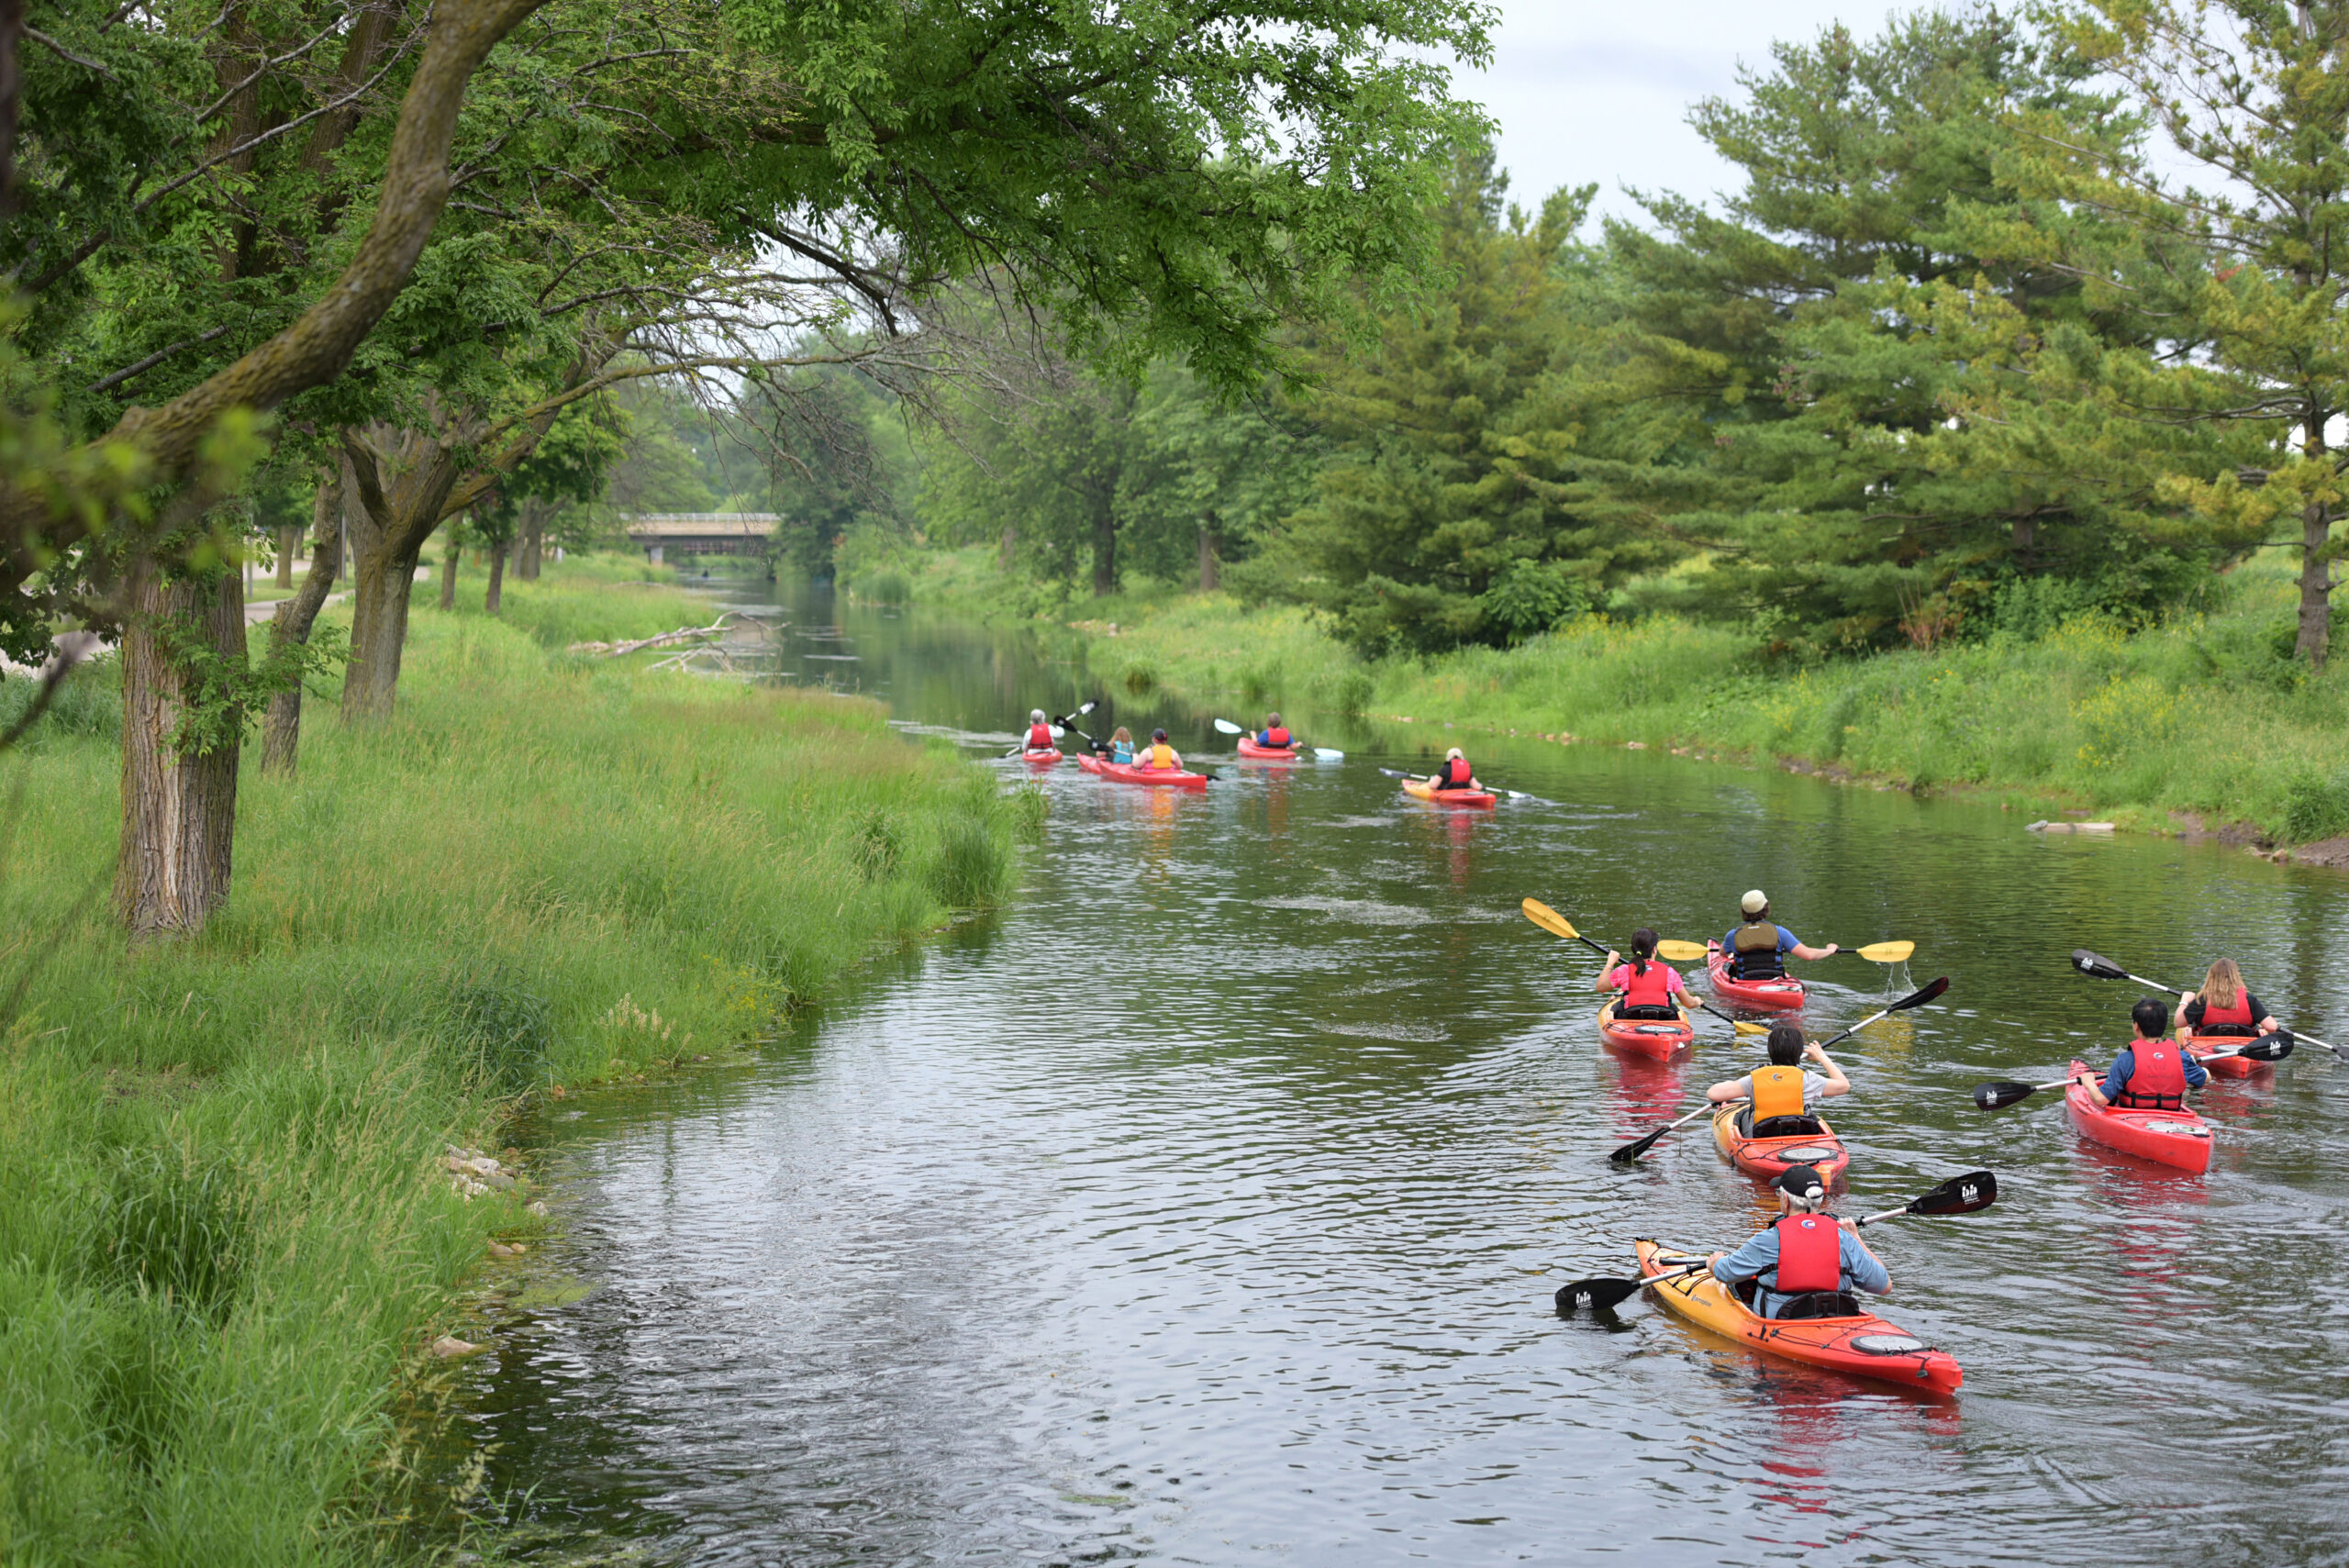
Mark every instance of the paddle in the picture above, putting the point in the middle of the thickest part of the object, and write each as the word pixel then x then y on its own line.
pixel 1918 999
pixel 1557 925
pixel 1067 721
pixel 1321 753
pixel 1969 1193
pixel 1426 778
pixel 2097 967
pixel 2000 1093
pixel 1875 952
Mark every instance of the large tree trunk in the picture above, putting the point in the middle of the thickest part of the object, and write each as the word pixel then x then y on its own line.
pixel 281 728
pixel 1105 553
pixel 531 547
pixel 179 807
pixel 1209 573
pixel 396 514
pixel 496 576
pixel 453 555
pixel 2316 585
pixel 289 541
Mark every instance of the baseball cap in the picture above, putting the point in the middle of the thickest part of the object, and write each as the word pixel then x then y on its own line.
pixel 1754 902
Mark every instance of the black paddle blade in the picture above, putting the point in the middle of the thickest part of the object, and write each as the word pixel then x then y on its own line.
pixel 1632 1151
pixel 1918 998
pixel 2094 965
pixel 1996 1096
pixel 2266 1048
pixel 1967 1194
pixel 1601 1293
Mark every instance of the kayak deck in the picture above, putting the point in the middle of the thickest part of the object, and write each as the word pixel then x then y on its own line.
pixel 1649 1037
pixel 1420 789
pixel 2179 1138
pixel 2202 1045
pixel 1773 995
pixel 1864 1345
pixel 1768 1158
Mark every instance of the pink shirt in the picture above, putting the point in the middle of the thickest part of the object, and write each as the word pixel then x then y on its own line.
pixel 1619 978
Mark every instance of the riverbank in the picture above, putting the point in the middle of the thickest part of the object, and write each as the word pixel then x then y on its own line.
pixel 234 1229
pixel 2203 725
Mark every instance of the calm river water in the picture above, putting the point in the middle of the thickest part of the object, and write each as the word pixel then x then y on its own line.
pixel 1206 1204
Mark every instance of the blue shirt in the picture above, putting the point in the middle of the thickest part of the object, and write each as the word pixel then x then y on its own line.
pixel 1122 751
pixel 2124 1067
pixel 1787 942
pixel 1759 1256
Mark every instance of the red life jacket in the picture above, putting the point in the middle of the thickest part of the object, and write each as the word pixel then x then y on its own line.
pixel 2238 1016
pixel 1276 737
pixel 1455 773
pixel 1810 1254
pixel 1653 989
pixel 1040 736
pixel 2157 1082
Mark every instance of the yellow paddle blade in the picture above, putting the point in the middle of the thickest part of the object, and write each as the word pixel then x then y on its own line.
pixel 1887 952
pixel 1549 920
pixel 1747 1026
pixel 1680 952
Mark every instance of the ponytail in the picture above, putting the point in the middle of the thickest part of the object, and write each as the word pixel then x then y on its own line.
pixel 1643 942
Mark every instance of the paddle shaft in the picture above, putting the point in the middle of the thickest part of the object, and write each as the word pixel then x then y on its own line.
pixel 2176 992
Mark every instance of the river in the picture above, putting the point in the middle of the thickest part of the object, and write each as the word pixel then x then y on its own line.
pixel 1206 1204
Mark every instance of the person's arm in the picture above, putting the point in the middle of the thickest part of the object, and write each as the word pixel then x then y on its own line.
pixel 2186 1020
pixel 1760 1252
pixel 1836 1082
pixel 1735 1089
pixel 2115 1081
pixel 2261 1021
pixel 1867 1270
pixel 1607 975
pixel 2196 1073
pixel 1790 942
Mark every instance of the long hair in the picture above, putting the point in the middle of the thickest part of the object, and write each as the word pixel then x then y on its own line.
pixel 2223 984
pixel 1643 942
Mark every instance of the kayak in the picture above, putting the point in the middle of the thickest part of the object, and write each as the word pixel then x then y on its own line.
pixel 1649 1037
pixel 1420 789
pixel 2202 1045
pixel 1769 1157
pixel 1042 756
pixel 1125 772
pixel 1864 1345
pixel 1248 748
pixel 2177 1138
pixel 1776 996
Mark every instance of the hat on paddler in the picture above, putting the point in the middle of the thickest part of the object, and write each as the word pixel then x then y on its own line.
pixel 1754 902
pixel 1800 1180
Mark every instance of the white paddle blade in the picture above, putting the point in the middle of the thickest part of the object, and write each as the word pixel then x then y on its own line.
pixel 1228 727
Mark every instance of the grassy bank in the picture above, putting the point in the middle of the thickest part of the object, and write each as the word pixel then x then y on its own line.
pixel 230 1231
pixel 2208 714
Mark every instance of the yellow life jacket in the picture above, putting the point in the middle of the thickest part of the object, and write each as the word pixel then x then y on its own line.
pixel 1160 755
pixel 1778 1091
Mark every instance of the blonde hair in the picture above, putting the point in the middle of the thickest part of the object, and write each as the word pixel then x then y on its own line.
pixel 2223 984
pixel 1123 734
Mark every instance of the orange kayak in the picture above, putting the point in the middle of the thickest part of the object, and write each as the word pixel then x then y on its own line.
pixel 1769 1157
pixel 2202 1045
pixel 1420 789
pixel 1864 1345
pixel 1649 1037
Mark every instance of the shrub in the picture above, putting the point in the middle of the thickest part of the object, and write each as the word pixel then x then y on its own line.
pixel 2316 807
pixel 500 1034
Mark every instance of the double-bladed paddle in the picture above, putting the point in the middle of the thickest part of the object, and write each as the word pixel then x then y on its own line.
pixel 1067 721
pixel 1425 778
pixel 2097 967
pixel 1969 1193
pixel 1557 925
pixel 1875 952
pixel 1321 753
pixel 2000 1093
pixel 1918 999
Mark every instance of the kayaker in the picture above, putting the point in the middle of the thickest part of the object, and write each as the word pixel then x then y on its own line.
pixel 2223 1006
pixel 1121 746
pixel 1800 1264
pixel 1782 1092
pixel 1158 753
pixel 2153 1074
pixel 1039 733
pixel 1275 733
pixel 1455 773
pixel 1647 986
pixel 1757 947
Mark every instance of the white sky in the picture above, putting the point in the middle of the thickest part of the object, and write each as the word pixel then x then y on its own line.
pixel 1588 91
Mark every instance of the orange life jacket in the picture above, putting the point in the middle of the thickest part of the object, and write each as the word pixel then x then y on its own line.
pixel 1778 1091
pixel 1158 754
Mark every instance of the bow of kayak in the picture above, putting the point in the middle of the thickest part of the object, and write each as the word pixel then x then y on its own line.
pixel 2177 1138
pixel 1121 772
pixel 1772 995
pixel 1248 748
pixel 1768 1158
pixel 1863 1345
pixel 1420 789
pixel 1648 1036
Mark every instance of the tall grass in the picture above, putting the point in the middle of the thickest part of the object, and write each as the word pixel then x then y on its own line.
pixel 225 1231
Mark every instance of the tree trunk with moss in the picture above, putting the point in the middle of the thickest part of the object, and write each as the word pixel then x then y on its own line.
pixel 179 748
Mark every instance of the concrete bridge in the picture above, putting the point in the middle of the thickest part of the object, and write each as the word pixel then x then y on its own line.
pixel 701 533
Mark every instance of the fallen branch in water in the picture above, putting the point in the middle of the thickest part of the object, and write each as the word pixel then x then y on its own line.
pixel 614 650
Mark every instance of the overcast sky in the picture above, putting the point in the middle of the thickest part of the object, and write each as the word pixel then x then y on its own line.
pixel 1587 91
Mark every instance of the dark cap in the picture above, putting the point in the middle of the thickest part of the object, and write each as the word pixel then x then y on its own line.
pixel 1800 1180
pixel 1158 735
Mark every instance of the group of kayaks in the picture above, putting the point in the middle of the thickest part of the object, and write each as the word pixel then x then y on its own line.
pixel 1249 749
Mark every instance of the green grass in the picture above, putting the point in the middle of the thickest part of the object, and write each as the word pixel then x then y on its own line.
pixel 226 1235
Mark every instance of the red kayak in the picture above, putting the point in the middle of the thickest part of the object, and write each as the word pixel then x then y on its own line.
pixel 1420 789
pixel 1774 995
pixel 1649 1037
pixel 2177 1138
pixel 1248 748
pixel 1125 772
pixel 2202 1045
pixel 1042 756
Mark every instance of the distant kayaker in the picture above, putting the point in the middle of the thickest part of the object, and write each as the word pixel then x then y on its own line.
pixel 1158 753
pixel 1039 733
pixel 2154 1072
pixel 1808 1254
pixel 1275 733
pixel 1647 985
pixel 1757 947
pixel 2223 1005
pixel 1455 773
pixel 1782 1092
pixel 1121 746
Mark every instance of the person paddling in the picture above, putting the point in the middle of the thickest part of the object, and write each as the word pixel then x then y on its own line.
pixel 1158 753
pixel 1275 734
pixel 1039 733
pixel 1784 1092
pixel 1455 773
pixel 2223 1006
pixel 1757 946
pixel 2154 1072
pixel 1808 1262
pixel 1647 986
